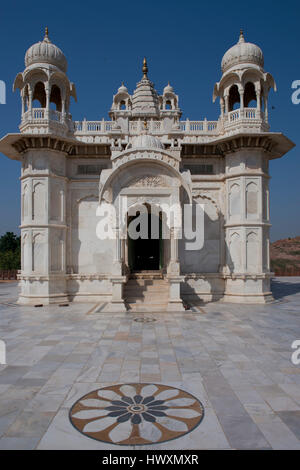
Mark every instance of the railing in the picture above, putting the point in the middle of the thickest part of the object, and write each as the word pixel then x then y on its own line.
pixel 55 115
pixel 187 127
pixel 93 127
pixel 36 114
pixel 245 113
pixel 42 114
pixel 154 127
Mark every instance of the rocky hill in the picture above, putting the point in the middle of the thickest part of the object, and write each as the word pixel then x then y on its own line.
pixel 285 254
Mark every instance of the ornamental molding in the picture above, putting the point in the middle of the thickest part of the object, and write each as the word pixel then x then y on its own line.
pixel 70 148
pixel 151 155
pixel 234 144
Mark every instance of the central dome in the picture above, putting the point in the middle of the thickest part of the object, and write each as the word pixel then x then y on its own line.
pixel 242 53
pixel 46 52
pixel 146 141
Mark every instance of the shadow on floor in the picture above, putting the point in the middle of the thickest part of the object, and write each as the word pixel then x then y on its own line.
pixel 281 288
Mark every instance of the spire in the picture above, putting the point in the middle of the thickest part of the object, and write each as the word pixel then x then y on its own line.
pixel 241 39
pixel 145 68
pixel 145 101
pixel 46 38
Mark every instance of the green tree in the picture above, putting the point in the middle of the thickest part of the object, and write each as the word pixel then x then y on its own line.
pixel 10 251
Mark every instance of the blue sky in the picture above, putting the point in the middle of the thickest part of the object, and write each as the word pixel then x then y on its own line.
pixel 105 42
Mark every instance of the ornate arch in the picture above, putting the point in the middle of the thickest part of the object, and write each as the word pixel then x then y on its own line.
pixel 130 157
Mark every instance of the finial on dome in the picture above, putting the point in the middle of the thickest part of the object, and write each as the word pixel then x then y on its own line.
pixel 145 68
pixel 241 39
pixel 46 38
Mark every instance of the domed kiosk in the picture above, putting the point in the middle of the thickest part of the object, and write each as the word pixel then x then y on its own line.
pixel 244 86
pixel 45 89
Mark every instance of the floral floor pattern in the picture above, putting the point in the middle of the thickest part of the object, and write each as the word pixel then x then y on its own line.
pixel 136 414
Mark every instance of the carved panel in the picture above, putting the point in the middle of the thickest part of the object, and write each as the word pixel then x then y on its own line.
pixel 235 200
pixel 147 181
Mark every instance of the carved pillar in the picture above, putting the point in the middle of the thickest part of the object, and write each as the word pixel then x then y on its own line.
pixel 222 106
pixel 266 108
pixel 258 100
pixel 226 98
pixel 30 102
pixel 117 278
pixel 173 276
pixel 23 103
pixel 63 111
pixel 47 111
pixel 241 102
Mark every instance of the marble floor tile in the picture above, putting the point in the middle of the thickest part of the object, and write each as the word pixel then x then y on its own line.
pixel 236 359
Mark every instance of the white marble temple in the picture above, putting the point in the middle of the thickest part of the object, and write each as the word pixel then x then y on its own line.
pixel 145 154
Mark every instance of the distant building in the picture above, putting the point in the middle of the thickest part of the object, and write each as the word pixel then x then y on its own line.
pixel 145 155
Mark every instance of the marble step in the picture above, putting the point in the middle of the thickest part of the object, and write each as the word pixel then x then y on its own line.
pixel 155 275
pixel 146 299
pixel 147 307
pixel 150 289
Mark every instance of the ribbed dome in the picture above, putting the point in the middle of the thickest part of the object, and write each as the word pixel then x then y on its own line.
pixel 242 53
pixel 168 89
pixel 46 52
pixel 146 141
pixel 122 89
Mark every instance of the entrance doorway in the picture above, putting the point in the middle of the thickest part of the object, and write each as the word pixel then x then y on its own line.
pixel 146 254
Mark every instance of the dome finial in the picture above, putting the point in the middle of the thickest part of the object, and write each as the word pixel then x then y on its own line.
pixel 241 39
pixel 46 38
pixel 145 68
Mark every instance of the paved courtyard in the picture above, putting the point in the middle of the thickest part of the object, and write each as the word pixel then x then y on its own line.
pixel 234 359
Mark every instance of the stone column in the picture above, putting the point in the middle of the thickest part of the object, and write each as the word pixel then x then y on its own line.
pixel 266 108
pixel 226 98
pixel 173 275
pixel 47 111
pixel 30 102
pixel 247 279
pixel 241 103
pixel 23 103
pixel 222 106
pixel 63 111
pixel 117 278
pixel 44 223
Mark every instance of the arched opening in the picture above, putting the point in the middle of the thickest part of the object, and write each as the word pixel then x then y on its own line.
pixel 122 105
pixel 39 96
pixel 234 98
pixel 55 98
pixel 168 104
pixel 250 96
pixel 145 241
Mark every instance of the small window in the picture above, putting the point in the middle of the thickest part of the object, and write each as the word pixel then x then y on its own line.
pixel 90 169
pixel 202 169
